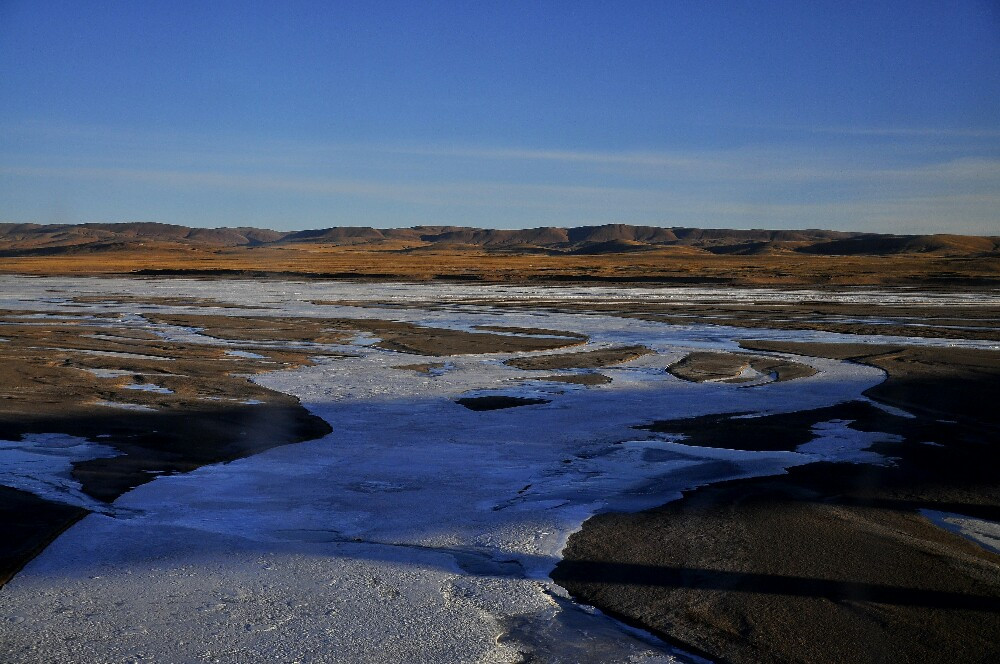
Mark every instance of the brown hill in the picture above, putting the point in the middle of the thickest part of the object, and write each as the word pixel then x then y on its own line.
pixel 621 233
pixel 37 239
pixel 872 244
pixel 14 237
pixel 338 236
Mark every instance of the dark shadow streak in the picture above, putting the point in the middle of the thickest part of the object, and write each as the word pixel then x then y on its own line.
pixel 773 584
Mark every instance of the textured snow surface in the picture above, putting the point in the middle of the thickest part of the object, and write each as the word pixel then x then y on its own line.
pixel 419 530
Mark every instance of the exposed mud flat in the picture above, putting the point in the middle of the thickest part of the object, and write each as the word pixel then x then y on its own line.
pixel 954 315
pixel 792 570
pixel 737 368
pixel 591 359
pixel 392 335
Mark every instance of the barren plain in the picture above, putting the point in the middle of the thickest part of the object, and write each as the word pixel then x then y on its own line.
pixel 613 253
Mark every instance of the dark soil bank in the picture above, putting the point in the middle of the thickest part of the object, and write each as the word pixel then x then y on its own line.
pixel 27 525
pixel 831 562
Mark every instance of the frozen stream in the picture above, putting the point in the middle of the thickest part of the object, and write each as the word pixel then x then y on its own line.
pixel 418 531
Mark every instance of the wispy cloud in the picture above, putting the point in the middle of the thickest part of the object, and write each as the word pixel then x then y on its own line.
pixel 756 164
pixel 778 184
pixel 425 193
pixel 114 148
pixel 968 170
pixel 670 159
pixel 887 131
pixel 909 132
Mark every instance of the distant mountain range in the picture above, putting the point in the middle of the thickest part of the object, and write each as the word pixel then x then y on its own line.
pixel 57 239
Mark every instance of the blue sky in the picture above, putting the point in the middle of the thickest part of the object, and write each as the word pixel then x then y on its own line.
pixel 848 115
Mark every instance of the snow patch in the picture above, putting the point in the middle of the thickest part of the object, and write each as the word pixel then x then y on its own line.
pixel 123 406
pixel 149 387
pixel 245 354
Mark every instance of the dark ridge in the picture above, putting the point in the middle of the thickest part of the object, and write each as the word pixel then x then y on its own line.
pixel 755 248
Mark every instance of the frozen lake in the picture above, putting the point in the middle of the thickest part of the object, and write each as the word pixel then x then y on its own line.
pixel 418 530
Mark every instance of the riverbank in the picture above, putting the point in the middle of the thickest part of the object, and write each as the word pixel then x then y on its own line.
pixel 830 562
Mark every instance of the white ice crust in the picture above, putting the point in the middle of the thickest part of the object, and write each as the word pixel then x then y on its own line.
pixel 40 463
pixel 418 530
pixel 984 533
